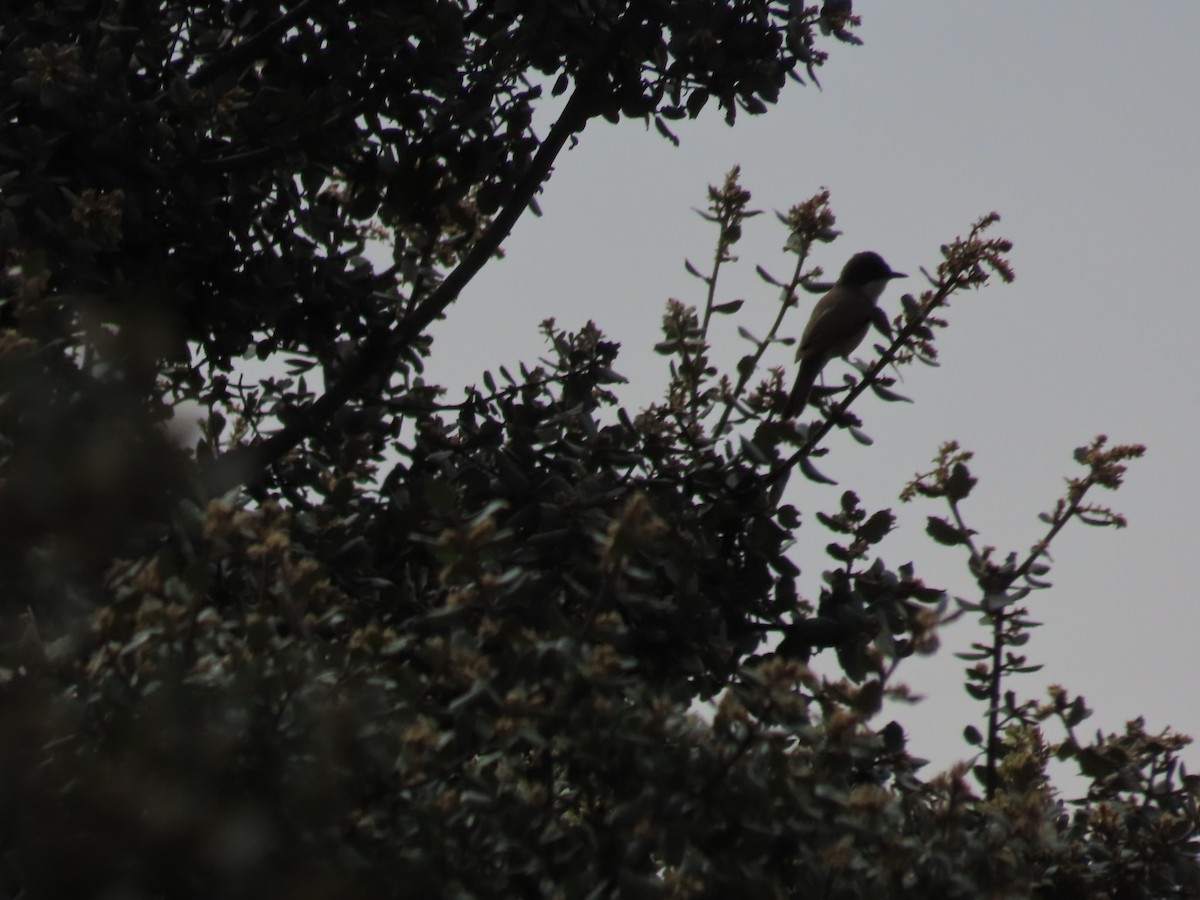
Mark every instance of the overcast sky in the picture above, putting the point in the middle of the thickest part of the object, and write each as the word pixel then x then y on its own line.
pixel 1079 124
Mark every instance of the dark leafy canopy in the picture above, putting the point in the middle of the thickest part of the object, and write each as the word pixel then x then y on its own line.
pixel 189 182
pixel 302 630
pixel 229 150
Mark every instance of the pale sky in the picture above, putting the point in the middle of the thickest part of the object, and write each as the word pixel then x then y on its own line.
pixel 1079 124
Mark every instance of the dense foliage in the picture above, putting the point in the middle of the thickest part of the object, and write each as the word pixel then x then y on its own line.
pixel 280 619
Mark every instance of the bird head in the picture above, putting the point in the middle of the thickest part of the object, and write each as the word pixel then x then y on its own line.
pixel 867 268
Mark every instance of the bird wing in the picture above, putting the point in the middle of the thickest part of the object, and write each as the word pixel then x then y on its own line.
pixel 837 325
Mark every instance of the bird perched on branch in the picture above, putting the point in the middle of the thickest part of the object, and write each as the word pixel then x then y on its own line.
pixel 839 322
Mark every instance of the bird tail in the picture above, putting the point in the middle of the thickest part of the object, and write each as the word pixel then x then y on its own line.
pixel 805 378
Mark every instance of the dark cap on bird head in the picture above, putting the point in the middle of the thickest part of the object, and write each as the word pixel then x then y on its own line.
pixel 865 267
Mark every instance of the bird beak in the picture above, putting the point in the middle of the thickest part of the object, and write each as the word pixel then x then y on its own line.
pixel 897 275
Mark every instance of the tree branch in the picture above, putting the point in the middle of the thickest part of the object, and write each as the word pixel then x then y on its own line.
pixel 869 378
pixel 247 464
pixel 248 51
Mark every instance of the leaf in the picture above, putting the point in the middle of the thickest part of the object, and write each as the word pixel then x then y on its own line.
pixel 783 566
pixel 893 737
pixel 766 276
pixel 890 396
pixel 861 436
pixel 853 660
pixel 974 656
pixel 693 271
pixel 744 332
pixel 877 527
pixel 959 484
pixel 945 533
pixel 695 102
pixel 1078 712
pixel 831 523
pixel 979 692
pixel 923 594
pixel 665 131
pixel 838 552
pixel 727 308
pixel 481 688
pixel 754 452
pixel 297 365
pixel 996 601
pixel 788 516
pixel 489 510
pixel 811 472
pixel 972 736
pixel 881 322
pixel 1096 765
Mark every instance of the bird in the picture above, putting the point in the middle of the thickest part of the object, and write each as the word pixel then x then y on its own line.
pixel 839 322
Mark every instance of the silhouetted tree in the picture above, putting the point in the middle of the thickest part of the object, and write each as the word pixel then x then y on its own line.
pixel 312 629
